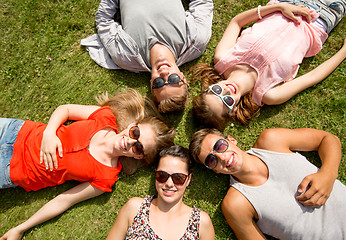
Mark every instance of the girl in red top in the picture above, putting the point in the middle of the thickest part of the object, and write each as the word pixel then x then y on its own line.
pixel 93 149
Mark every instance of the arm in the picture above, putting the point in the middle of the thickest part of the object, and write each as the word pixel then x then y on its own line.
pixel 202 13
pixel 231 34
pixel 305 139
pixel 285 91
pixel 50 142
pixel 124 219
pixel 55 207
pixel 206 230
pixel 241 215
pixel 105 15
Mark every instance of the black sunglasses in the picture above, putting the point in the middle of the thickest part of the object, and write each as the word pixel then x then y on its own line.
pixel 172 79
pixel 177 178
pixel 211 160
pixel 137 147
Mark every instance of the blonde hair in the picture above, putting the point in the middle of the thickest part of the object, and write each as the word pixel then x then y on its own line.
pixel 129 106
pixel 173 104
pixel 246 108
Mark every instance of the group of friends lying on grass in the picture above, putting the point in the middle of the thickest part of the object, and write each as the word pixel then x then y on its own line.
pixel 274 190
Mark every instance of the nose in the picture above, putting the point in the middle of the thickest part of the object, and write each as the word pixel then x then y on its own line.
pixel 169 183
pixel 130 142
pixel 227 90
pixel 164 73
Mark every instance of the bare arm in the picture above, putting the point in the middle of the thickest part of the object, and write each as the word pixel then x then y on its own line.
pixel 241 215
pixel 231 34
pixel 55 207
pixel 50 142
pixel 206 230
pixel 307 139
pixel 286 91
pixel 124 219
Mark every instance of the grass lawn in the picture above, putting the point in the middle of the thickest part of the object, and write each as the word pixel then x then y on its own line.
pixel 44 66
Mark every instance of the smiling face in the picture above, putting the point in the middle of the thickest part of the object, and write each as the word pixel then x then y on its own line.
pixel 216 104
pixel 168 191
pixel 163 70
pixel 229 161
pixel 124 143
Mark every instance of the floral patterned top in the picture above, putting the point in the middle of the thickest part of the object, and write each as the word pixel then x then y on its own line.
pixel 141 229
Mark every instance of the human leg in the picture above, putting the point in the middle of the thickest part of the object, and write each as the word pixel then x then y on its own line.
pixel 9 129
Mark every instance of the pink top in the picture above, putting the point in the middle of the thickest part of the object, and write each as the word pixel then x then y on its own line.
pixel 274 47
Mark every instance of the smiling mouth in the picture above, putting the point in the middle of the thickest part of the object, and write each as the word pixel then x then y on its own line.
pixel 163 65
pixel 232 87
pixel 123 144
pixel 230 161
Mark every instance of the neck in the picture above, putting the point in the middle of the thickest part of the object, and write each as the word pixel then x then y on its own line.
pixel 243 76
pixel 165 207
pixel 254 172
pixel 160 52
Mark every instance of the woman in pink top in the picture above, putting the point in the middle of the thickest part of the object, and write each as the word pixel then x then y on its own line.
pixel 260 66
pixel 122 133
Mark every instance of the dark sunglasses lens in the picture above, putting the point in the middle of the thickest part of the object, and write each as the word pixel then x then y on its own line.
pixel 161 176
pixel 158 83
pixel 134 132
pixel 137 148
pixel 179 178
pixel 220 146
pixel 229 101
pixel 210 161
pixel 173 78
pixel 216 89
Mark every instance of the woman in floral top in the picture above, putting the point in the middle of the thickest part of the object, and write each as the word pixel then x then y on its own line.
pixel 164 216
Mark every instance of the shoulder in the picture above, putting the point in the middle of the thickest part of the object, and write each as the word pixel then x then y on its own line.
pixel 235 205
pixel 206 229
pixel 275 139
pixel 134 203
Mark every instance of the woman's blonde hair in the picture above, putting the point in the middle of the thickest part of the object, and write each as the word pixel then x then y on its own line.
pixel 246 108
pixel 130 106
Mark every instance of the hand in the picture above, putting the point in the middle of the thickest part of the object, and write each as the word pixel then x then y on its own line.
pixel 13 234
pixel 49 146
pixel 315 189
pixel 290 10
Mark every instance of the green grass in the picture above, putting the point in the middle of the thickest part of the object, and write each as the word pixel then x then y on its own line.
pixel 32 86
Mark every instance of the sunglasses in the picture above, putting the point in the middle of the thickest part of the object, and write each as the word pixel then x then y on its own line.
pixel 137 147
pixel 177 178
pixel 226 99
pixel 172 79
pixel 211 160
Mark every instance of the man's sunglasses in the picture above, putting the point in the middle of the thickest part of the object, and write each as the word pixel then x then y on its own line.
pixel 226 99
pixel 211 160
pixel 177 178
pixel 172 79
pixel 137 147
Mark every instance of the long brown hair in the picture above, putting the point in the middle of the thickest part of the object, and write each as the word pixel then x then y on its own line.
pixel 246 108
pixel 129 106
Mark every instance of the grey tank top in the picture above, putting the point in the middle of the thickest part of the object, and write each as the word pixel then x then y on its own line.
pixel 280 214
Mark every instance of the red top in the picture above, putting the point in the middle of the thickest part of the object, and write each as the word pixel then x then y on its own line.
pixel 76 164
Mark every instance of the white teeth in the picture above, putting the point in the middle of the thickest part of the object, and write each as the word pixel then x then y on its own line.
pixel 230 161
pixel 166 190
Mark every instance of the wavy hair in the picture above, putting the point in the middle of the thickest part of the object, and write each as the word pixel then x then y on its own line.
pixel 129 106
pixel 246 108
pixel 173 104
